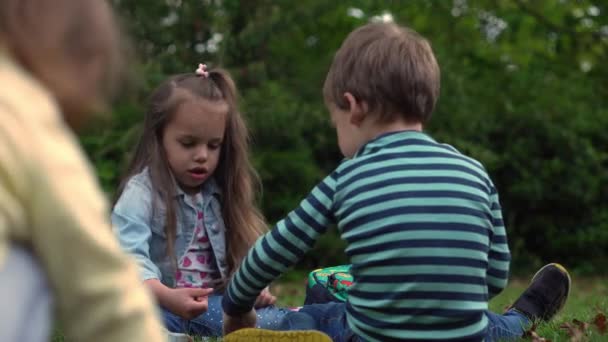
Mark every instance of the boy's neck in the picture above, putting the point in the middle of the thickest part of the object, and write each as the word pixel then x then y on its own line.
pixel 376 129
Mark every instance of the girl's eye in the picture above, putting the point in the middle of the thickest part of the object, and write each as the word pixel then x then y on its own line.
pixel 187 144
pixel 214 146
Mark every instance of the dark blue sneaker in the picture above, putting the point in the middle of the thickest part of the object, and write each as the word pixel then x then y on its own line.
pixel 546 295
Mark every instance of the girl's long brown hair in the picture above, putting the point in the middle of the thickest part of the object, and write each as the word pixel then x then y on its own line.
pixel 234 174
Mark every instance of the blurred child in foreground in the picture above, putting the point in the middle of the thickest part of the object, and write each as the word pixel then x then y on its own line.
pixel 58 61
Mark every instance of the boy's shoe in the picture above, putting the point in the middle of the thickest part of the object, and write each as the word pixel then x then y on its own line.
pixel 546 294
pixel 253 334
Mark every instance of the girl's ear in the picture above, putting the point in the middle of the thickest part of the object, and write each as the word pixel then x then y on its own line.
pixel 356 109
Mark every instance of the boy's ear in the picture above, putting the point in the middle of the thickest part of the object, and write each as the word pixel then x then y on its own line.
pixel 356 109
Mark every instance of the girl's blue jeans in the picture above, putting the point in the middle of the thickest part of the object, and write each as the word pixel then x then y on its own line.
pixel 330 318
pixel 210 322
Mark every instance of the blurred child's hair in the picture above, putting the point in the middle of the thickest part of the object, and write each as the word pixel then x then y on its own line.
pixel 234 174
pixel 390 68
pixel 72 46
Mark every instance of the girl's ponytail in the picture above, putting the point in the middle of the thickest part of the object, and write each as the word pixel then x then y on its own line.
pixel 226 85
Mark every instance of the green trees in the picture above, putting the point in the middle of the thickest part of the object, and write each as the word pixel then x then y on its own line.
pixel 523 90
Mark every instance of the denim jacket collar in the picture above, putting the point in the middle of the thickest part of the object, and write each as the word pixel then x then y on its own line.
pixel 210 187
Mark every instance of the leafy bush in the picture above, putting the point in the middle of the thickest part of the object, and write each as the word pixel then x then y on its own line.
pixel 523 90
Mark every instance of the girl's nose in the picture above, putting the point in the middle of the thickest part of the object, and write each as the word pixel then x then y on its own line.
pixel 201 154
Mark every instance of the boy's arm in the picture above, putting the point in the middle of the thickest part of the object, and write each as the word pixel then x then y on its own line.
pixel 281 248
pixel 499 255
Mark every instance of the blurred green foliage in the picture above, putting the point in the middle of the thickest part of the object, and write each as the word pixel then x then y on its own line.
pixel 524 90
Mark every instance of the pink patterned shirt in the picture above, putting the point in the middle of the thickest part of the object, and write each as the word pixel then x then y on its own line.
pixel 197 268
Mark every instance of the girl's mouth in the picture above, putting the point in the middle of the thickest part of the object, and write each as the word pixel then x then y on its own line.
pixel 198 173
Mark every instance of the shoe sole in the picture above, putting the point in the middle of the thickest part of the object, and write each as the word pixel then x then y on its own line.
pixel 565 272
pixel 251 334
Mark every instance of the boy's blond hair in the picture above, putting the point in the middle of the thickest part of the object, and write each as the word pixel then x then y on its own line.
pixel 390 68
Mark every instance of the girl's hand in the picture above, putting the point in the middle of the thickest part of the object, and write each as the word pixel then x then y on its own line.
pixel 232 323
pixel 188 303
pixel 264 299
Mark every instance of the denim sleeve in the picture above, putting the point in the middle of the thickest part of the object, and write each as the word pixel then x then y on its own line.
pixel 131 217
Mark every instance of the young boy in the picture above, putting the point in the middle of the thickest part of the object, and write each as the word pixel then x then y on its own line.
pixel 423 223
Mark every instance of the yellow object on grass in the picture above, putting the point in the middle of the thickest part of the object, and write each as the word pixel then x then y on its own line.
pixel 251 334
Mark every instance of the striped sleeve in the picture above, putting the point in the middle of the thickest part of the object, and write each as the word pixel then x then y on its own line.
pixel 281 248
pixel 499 256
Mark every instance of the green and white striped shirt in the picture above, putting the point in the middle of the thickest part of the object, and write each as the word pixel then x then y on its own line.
pixel 424 234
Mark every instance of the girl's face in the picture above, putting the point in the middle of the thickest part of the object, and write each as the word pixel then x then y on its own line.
pixel 193 140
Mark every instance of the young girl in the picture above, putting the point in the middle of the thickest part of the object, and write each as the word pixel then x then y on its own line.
pixel 185 208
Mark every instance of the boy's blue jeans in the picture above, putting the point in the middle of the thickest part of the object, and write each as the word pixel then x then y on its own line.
pixel 210 322
pixel 330 318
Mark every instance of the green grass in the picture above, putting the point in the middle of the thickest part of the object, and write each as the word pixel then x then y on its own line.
pixel 588 297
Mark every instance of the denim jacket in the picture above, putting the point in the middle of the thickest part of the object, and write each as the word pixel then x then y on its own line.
pixel 141 228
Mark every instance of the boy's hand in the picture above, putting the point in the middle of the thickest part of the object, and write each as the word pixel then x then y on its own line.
pixel 187 303
pixel 232 323
pixel 264 299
